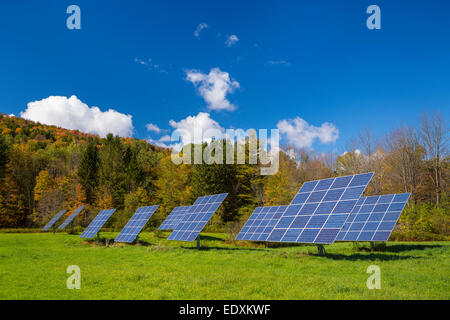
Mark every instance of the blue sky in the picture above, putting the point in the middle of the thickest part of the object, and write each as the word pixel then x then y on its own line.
pixel 314 60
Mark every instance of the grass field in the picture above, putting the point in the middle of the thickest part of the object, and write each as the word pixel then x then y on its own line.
pixel 33 266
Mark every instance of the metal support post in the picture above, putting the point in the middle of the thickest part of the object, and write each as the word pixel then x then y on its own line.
pixel 321 249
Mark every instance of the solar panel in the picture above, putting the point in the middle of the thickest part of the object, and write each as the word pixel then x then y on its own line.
pixel 261 223
pixel 96 224
pixel 373 218
pixel 195 219
pixel 319 210
pixel 71 217
pixel 136 224
pixel 53 220
pixel 174 218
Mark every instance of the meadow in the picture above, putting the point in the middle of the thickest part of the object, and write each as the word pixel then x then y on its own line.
pixel 33 266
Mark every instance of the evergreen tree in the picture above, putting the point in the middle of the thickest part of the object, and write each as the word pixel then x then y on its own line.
pixel 4 156
pixel 88 170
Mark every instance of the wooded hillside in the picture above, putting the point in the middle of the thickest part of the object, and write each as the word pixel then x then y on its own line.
pixel 45 168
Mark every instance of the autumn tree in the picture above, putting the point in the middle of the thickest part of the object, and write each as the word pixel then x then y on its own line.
pixel 434 136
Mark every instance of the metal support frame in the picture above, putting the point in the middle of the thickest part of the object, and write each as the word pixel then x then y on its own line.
pixel 372 246
pixel 137 239
pixel 54 228
pixel 198 241
pixel 71 227
pixel 98 236
pixel 321 249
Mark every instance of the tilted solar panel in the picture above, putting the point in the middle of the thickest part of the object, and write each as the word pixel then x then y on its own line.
pixel 96 224
pixel 71 217
pixel 174 218
pixel 136 224
pixel 261 223
pixel 53 220
pixel 373 218
pixel 195 219
pixel 315 215
pixel 320 209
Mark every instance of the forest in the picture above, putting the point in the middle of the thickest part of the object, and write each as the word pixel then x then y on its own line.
pixel 44 169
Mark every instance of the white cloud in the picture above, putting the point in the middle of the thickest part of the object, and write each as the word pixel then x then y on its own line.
pixel 139 61
pixel 199 29
pixel 214 87
pixel 165 138
pixel 356 151
pixel 278 63
pixel 150 65
pixel 301 134
pixel 231 40
pixel 153 127
pixel 197 129
pixel 71 113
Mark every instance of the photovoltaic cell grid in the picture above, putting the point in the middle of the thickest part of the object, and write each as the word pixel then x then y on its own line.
pixel 97 223
pixel 174 218
pixel 53 220
pixel 261 223
pixel 196 217
pixel 319 210
pixel 136 224
pixel 71 217
pixel 373 218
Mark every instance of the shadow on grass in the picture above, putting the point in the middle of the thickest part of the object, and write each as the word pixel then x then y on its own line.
pixel 409 247
pixel 210 238
pixel 383 247
pixel 223 248
pixel 106 242
pixel 369 257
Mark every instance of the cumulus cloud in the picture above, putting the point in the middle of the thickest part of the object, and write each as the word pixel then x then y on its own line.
pixel 302 135
pixel 214 87
pixel 196 129
pixel 71 113
pixel 199 29
pixel 231 40
pixel 152 127
pixel 165 138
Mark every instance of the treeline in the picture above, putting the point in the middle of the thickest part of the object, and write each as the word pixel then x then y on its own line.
pixel 45 168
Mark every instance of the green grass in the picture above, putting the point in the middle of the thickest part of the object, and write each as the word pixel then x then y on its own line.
pixel 33 266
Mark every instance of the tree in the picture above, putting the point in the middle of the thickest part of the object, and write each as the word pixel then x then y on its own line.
pixel 4 156
pixel 88 170
pixel 405 159
pixel 113 175
pixel 434 136
pixel 172 185
pixel 282 186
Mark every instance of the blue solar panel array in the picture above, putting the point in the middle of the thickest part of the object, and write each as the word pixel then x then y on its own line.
pixel 96 224
pixel 195 219
pixel 174 218
pixel 315 215
pixel 136 224
pixel 373 218
pixel 71 217
pixel 53 220
pixel 319 210
pixel 261 223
